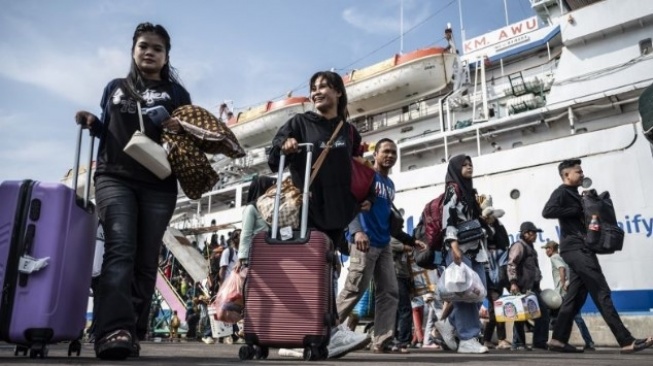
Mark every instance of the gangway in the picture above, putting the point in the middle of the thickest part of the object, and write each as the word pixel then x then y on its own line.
pixel 186 254
pixel 170 296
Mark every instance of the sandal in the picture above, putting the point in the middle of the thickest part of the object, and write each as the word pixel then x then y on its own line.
pixel 116 345
pixel 135 350
pixel 637 345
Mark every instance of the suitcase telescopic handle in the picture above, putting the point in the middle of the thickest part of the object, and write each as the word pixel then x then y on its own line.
pixel 307 182
pixel 78 153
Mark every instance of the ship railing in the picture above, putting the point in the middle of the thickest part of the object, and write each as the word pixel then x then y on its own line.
pixel 512 122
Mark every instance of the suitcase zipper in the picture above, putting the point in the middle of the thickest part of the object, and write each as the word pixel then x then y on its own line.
pixel 16 248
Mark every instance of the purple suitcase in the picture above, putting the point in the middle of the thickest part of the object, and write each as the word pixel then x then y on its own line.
pixel 289 296
pixel 48 222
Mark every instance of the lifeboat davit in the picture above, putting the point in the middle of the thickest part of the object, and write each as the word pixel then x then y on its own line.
pixel 399 80
pixel 257 126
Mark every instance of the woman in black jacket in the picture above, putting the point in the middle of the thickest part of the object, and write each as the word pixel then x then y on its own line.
pixel 133 204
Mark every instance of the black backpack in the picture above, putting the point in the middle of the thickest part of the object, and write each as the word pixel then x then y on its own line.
pixel 610 237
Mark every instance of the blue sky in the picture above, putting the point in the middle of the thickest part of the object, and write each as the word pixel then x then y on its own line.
pixel 56 56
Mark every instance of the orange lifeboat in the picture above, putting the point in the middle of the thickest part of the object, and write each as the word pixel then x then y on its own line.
pixel 399 80
pixel 257 126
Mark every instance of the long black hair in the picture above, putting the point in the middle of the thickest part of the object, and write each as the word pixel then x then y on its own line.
pixel 134 80
pixel 258 187
pixel 335 82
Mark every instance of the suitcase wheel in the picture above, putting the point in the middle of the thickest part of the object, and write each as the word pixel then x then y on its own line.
pixel 20 349
pixel 38 350
pixel 246 353
pixel 74 347
pixel 261 353
pixel 315 353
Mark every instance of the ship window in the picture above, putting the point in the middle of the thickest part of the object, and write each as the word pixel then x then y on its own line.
pixel 581 130
pixel 412 167
pixel 645 46
pixel 517 144
pixel 587 182
pixel 514 194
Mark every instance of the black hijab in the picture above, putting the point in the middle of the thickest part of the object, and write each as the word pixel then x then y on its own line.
pixel 466 186
pixel 257 188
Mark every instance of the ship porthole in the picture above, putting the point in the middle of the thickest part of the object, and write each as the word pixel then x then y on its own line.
pixel 514 194
pixel 587 182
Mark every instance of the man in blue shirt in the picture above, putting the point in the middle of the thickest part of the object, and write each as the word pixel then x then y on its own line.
pixel 371 256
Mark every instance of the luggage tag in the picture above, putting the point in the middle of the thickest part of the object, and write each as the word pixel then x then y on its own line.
pixel 286 233
pixel 28 265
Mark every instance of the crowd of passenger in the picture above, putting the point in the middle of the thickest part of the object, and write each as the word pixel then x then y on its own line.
pixel 135 206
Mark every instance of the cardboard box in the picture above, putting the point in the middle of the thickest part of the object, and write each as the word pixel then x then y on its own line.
pixel 517 308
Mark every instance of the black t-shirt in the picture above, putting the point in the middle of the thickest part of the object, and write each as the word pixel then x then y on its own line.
pixel 120 121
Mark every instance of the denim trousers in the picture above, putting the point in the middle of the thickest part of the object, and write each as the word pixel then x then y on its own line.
pixel 465 317
pixel 404 312
pixel 134 219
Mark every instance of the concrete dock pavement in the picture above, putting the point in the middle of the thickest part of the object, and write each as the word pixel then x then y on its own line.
pixel 197 353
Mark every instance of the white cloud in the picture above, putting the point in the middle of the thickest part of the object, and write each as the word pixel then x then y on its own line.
pixel 36 159
pixel 385 17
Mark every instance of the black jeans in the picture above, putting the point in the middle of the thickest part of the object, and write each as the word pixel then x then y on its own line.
pixel 134 220
pixel 586 277
pixel 493 295
pixel 404 312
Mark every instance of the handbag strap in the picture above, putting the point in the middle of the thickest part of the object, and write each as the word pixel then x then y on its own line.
pixel 140 116
pixel 325 152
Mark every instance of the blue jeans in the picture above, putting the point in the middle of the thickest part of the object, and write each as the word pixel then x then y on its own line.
pixel 584 332
pixel 404 312
pixel 134 220
pixel 465 317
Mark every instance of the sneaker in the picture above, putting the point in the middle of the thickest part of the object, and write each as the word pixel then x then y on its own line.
pixel 447 332
pixel 504 345
pixel 208 340
pixel 291 352
pixel 471 346
pixel 521 348
pixel 489 345
pixel 344 341
pixel 589 347
pixel 433 346
pixel 228 340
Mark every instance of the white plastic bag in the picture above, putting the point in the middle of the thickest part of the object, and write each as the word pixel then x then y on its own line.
pixel 459 283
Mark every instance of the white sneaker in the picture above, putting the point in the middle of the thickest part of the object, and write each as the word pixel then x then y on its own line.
pixel 344 341
pixel 471 346
pixel 208 340
pixel 447 332
pixel 291 352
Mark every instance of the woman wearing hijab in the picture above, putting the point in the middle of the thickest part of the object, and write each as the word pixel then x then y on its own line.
pixel 252 222
pixel 459 206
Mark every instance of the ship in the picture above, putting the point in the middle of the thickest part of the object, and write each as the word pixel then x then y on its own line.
pixel 564 83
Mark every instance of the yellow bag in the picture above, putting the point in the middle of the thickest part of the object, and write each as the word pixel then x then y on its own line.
pixel 517 308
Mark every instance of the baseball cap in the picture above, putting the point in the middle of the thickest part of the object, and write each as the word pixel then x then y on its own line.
pixel 550 244
pixel 528 226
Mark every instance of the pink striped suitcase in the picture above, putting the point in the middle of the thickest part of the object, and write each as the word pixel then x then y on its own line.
pixel 47 240
pixel 289 298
